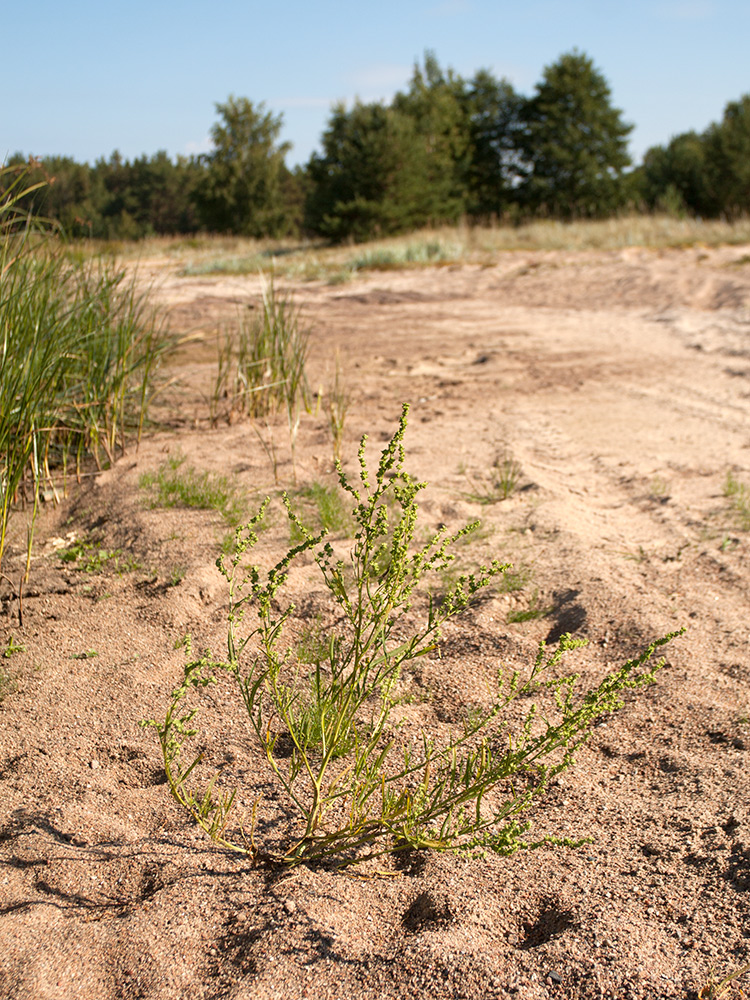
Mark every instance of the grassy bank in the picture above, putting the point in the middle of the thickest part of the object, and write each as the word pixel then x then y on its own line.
pixel 205 255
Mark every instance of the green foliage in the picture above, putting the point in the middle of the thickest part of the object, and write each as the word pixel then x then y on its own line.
pixel 89 557
pixel 706 174
pixel 494 167
pixel 174 486
pixel 116 198
pixel 574 142
pixel 674 178
pixel 351 785
pixel 446 148
pixel 727 146
pixel 78 353
pixel 436 101
pixel 372 178
pixel 242 189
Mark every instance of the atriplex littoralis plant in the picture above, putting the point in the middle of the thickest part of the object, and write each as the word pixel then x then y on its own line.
pixel 352 785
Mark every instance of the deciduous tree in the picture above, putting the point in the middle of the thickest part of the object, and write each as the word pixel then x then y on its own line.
pixel 575 142
pixel 242 190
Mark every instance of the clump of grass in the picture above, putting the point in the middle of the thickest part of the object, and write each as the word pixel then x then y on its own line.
pixel 176 485
pixel 78 352
pixel 738 493
pixel 712 990
pixel 309 261
pixel 496 485
pixel 262 366
pixel 246 264
pixel 338 403
pixel 515 579
pixel 352 785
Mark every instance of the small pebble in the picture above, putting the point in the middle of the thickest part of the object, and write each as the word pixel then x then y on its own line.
pixel 290 906
pixel 555 977
pixel 95 764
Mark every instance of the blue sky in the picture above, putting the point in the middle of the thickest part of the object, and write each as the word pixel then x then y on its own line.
pixel 83 78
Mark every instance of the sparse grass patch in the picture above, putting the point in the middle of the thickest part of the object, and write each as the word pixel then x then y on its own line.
pixel 247 264
pixel 174 485
pixel 449 244
pixel 323 508
pixel 262 368
pixel 8 683
pixel 88 556
pixel 738 493
pixel 514 579
pixel 422 252
pixel 535 609
pixel 497 484
pixel 337 404
pixel 712 990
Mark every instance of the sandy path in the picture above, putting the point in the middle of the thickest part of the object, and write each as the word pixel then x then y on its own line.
pixel 619 383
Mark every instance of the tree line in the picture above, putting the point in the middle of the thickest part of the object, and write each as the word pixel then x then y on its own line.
pixel 446 148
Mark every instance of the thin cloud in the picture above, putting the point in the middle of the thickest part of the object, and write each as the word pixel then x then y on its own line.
pixel 687 10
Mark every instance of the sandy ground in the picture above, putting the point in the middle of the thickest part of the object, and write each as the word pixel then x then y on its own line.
pixel 619 383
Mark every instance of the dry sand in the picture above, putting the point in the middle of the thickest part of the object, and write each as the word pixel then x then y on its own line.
pixel 619 382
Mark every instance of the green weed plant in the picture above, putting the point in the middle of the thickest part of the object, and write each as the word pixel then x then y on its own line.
pixel 12 647
pixel 352 786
